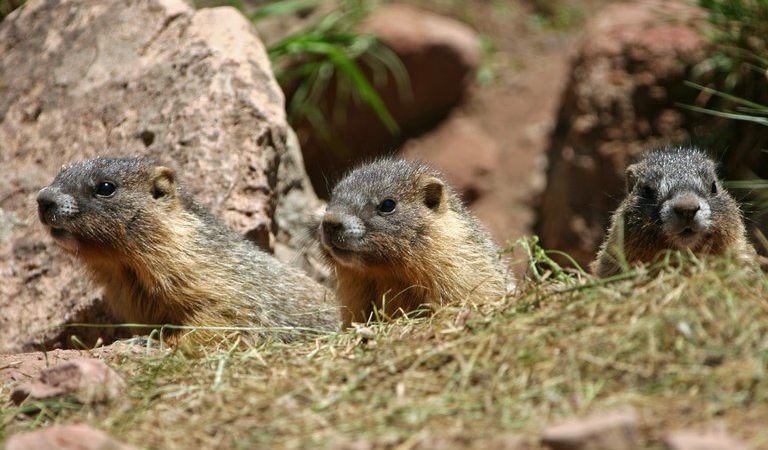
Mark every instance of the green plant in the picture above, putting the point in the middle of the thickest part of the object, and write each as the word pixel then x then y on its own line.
pixel 733 76
pixel 329 54
pixel 541 266
pixel 740 109
pixel 739 31
pixel 732 82
pixel 275 8
pixel 745 110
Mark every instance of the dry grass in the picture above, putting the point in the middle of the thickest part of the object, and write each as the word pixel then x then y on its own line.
pixel 686 347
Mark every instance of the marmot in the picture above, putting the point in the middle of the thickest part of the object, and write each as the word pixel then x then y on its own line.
pixel 398 238
pixel 674 202
pixel 164 259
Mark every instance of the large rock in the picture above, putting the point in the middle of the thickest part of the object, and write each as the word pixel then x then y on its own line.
pixel 697 440
pixel 439 55
pixel 19 368
pixel 614 431
pixel 65 437
pixel 89 380
pixel 623 95
pixel 151 77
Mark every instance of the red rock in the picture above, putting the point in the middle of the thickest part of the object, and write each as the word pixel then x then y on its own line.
pixel 89 380
pixel 65 437
pixel 610 431
pixel 695 440
pixel 19 367
pixel 411 32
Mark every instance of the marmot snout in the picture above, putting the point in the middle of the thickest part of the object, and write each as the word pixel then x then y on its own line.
pixel 686 218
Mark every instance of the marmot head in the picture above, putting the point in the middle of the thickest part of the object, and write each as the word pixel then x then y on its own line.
pixel 102 204
pixel 381 213
pixel 677 190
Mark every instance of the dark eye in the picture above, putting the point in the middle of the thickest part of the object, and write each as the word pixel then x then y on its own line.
pixel 647 192
pixel 387 206
pixel 714 188
pixel 104 189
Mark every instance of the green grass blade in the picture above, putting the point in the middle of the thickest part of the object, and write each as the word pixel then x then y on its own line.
pixel 282 8
pixel 727 115
pixel 367 93
pixel 733 98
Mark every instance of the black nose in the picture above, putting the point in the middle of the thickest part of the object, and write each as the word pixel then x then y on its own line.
pixel 46 201
pixel 686 208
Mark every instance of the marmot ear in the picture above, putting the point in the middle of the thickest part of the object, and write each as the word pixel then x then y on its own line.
pixel 163 182
pixel 434 192
pixel 631 175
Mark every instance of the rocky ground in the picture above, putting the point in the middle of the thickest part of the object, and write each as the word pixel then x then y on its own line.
pixel 487 133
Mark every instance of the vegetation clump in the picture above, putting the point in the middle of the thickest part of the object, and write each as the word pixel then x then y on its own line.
pixel 686 347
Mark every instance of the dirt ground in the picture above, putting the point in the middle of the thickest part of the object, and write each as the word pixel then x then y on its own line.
pixel 516 98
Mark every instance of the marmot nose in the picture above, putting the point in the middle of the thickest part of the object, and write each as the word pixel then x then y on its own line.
pixel 686 207
pixel 46 201
pixel 331 224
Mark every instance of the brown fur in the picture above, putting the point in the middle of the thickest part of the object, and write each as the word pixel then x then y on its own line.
pixel 429 252
pixel 163 259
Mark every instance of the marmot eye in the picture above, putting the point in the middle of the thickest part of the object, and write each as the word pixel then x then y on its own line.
pixel 387 206
pixel 714 188
pixel 105 189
